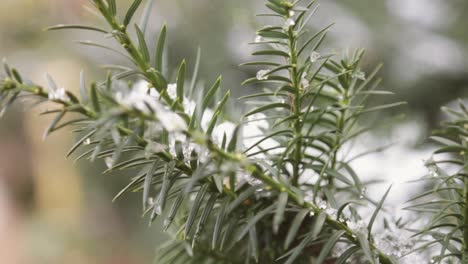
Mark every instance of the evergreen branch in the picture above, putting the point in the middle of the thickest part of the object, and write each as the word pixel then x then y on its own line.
pixel 321 126
pixel 253 169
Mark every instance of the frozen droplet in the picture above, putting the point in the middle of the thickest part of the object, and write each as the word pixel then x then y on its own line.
pixel 258 39
pixel 157 208
pixel 430 164
pixel 291 13
pixel 289 23
pixel 314 56
pixel 150 201
pixel 172 90
pixel 166 223
pixel 304 81
pixel 262 75
pixel 363 192
pixel 109 162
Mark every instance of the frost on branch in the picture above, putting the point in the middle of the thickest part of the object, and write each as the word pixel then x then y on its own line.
pixel 272 187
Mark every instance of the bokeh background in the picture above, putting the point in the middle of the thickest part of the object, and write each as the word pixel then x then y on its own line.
pixel 55 211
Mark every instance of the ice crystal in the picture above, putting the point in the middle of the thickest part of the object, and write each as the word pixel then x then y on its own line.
pixel 314 56
pixel 393 242
pixel 59 94
pixel 109 162
pixel 359 75
pixel 358 227
pixel 172 90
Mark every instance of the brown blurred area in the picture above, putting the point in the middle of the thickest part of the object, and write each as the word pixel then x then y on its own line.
pixel 52 210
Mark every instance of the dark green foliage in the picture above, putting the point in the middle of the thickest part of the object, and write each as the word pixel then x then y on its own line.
pixel 447 199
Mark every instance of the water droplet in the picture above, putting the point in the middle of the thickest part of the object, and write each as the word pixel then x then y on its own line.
pixel 291 13
pixel 262 75
pixel 363 193
pixel 87 141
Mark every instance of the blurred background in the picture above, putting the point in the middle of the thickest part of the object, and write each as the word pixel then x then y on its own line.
pixel 55 211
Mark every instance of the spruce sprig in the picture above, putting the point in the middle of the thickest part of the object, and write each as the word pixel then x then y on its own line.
pixel 217 196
